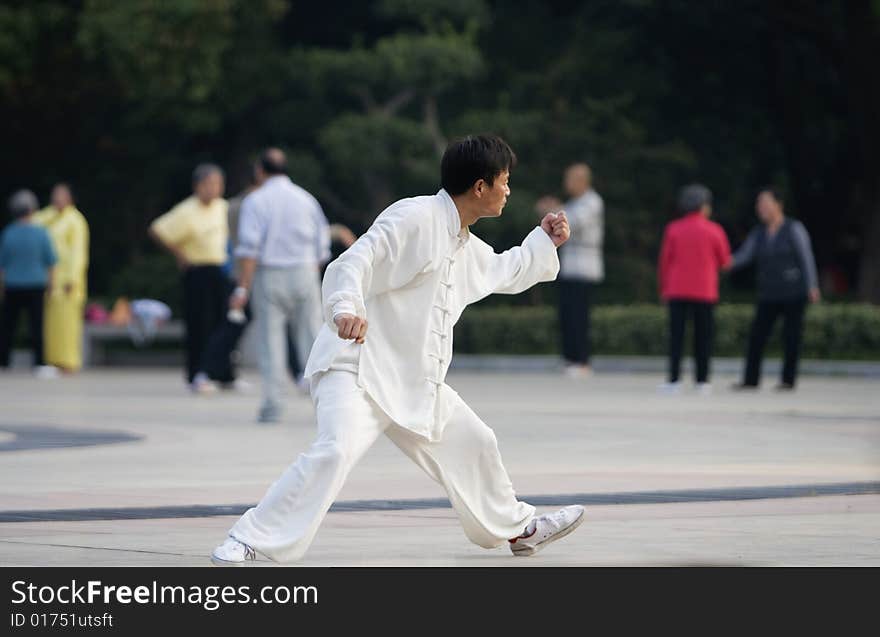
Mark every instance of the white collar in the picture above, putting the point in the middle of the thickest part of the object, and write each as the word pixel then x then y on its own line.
pixel 452 217
pixel 272 179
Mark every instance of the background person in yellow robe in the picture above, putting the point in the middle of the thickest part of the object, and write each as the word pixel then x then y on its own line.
pixel 63 325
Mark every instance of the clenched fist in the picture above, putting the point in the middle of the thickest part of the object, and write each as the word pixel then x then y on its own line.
pixel 556 227
pixel 351 327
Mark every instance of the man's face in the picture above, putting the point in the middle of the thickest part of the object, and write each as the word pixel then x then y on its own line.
pixel 493 198
pixel 767 207
pixel 576 181
pixel 210 188
pixel 61 197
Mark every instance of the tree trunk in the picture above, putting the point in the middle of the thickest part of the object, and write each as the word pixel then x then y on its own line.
pixel 432 124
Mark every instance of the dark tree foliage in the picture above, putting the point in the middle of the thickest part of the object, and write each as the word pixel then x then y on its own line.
pixel 123 98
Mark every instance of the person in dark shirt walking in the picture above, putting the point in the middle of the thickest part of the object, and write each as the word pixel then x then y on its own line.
pixel 786 275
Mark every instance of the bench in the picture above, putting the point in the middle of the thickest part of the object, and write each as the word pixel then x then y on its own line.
pixel 97 339
pixel 97 336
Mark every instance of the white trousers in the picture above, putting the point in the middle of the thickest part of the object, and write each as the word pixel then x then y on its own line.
pixel 285 297
pixel 466 461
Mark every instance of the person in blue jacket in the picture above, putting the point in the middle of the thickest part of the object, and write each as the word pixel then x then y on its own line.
pixel 27 261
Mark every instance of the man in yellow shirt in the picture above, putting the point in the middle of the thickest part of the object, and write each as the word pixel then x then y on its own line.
pixel 196 232
pixel 63 323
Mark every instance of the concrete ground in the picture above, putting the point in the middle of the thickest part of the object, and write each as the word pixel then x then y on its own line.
pixel 122 440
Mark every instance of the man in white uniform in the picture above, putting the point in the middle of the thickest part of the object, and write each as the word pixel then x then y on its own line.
pixel 407 279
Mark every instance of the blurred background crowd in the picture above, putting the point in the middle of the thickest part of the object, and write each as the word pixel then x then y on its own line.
pixel 629 100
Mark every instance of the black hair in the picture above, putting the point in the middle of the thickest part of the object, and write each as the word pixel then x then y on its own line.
pixel 693 197
pixel 273 162
pixel 774 192
pixel 203 171
pixel 472 158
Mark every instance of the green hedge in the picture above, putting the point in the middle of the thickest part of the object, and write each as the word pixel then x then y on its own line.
pixel 832 331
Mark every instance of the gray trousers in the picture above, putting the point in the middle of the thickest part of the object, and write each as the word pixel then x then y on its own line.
pixel 284 296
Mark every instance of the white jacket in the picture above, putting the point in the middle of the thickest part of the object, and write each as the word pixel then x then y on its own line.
pixel 411 275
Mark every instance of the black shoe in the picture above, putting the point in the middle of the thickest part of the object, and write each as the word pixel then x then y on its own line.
pixel 743 387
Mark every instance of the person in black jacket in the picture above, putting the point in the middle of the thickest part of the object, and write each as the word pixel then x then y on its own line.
pixel 787 280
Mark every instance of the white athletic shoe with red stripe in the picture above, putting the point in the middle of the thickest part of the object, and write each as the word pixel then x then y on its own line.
pixel 545 529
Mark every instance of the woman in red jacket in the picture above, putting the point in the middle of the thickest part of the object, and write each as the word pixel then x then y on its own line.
pixel 694 250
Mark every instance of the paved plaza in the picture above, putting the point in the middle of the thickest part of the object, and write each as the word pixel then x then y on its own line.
pixel 123 466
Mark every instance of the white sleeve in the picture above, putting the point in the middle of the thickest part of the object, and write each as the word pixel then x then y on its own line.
pixel 514 270
pixel 389 255
pixel 251 230
pixel 322 236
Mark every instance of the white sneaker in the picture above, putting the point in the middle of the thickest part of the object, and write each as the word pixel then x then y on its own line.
pixel 578 371
pixel 233 553
pixel 704 389
pixel 242 386
pixel 547 528
pixel 46 372
pixel 669 388
pixel 203 385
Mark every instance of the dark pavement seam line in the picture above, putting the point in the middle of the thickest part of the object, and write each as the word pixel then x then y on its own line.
pixel 726 494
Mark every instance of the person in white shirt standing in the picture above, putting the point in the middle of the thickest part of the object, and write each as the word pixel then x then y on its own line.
pixel 283 239
pixel 380 361
pixel 581 264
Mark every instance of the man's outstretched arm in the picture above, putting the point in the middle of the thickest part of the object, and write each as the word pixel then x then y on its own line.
pixel 521 267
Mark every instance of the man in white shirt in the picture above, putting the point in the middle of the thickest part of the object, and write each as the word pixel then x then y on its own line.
pixel 379 363
pixel 283 238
